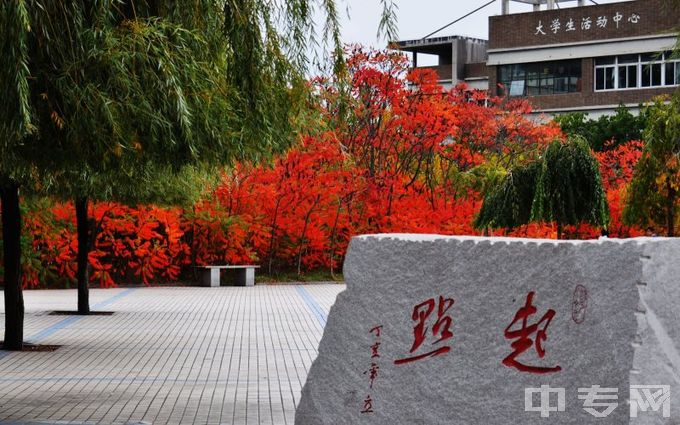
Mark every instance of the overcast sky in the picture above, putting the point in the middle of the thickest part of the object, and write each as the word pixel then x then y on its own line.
pixel 418 18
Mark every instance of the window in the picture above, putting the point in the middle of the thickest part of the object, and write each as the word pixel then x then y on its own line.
pixel 628 71
pixel 533 82
pixel 636 71
pixel 542 78
pixel 670 73
pixel 651 75
pixel 567 78
pixel 605 78
pixel 628 76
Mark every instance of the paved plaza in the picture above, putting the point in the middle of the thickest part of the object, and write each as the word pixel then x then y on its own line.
pixel 168 355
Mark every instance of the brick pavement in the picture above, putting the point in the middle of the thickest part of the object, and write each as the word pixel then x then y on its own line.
pixel 168 355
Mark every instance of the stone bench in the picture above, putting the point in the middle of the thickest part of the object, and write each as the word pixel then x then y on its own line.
pixel 245 275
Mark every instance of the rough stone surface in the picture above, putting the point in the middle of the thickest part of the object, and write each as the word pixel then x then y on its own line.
pixel 616 323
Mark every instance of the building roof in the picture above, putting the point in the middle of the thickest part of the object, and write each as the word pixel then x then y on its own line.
pixel 539 2
pixel 433 46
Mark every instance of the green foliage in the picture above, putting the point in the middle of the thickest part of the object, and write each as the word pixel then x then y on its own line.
pixel 15 109
pixel 153 184
pixel 136 94
pixel 563 186
pixel 653 193
pixel 118 86
pixel 177 188
pixel 617 129
pixel 388 20
pixel 509 204
pixel 569 186
pixel 644 202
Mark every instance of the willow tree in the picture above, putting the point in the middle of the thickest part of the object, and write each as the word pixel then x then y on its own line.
pixel 569 187
pixel 509 204
pixel 654 192
pixel 99 91
pixel 16 124
pixel 563 186
pixel 138 93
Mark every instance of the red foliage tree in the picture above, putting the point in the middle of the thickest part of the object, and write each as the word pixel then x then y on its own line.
pixel 387 150
pixel 617 166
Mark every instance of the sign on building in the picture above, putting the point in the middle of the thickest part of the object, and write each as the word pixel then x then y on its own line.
pixel 586 23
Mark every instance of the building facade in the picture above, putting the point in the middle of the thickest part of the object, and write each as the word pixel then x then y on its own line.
pixel 590 58
pixel 459 59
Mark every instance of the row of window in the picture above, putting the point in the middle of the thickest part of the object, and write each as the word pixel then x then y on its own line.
pixel 611 73
pixel 541 78
pixel 636 71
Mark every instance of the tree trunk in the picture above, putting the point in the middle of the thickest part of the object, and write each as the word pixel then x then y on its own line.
pixel 272 239
pixel 308 216
pixel 560 230
pixel 670 212
pixel 83 254
pixel 389 200
pixel 11 236
pixel 192 242
pixel 333 233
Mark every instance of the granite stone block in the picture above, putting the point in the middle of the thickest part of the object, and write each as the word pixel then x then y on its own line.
pixel 459 330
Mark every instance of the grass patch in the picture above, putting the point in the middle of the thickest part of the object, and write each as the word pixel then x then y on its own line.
pixel 292 277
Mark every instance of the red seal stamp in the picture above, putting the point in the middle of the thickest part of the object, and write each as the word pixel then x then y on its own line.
pixel 579 304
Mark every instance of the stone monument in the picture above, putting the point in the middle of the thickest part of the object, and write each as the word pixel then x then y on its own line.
pixel 495 331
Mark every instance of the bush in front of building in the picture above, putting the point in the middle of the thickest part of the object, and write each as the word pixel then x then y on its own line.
pixel 606 132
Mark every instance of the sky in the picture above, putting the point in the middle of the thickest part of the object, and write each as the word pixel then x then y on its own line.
pixel 417 18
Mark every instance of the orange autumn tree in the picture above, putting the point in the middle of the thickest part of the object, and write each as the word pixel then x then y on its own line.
pixel 654 194
pixel 142 244
pixel 617 164
pixel 386 150
pixel 420 147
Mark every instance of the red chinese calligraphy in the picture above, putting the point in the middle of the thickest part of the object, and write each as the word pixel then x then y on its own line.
pixel 523 337
pixel 368 405
pixel 372 373
pixel 374 350
pixel 441 329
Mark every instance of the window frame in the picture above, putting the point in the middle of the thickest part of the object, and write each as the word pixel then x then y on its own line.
pixel 640 66
pixel 541 78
